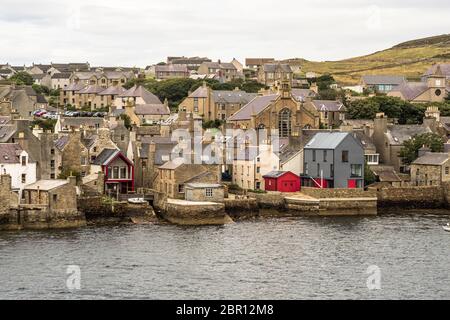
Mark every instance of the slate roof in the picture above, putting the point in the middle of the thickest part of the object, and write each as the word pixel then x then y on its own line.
pixel 255 106
pixel 46 185
pixel 140 91
pixel 383 79
pixel 411 90
pixel 221 65
pixel 74 87
pixel 61 75
pixel 6 132
pixel 151 109
pixel 113 90
pixel 171 68
pixel 172 164
pixel 232 96
pixel 200 92
pixel 198 185
pixel 301 94
pixel 385 173
pixel 397 134
pixel 92 89
pixel 106 156
pixel 328 105
pixel 275 174
pixel 82 121
pixel 432 158
pixel 445 69
pixel 273 67
pixel 326 140
pixel 258 61
pixel 9 152
pixel 61 142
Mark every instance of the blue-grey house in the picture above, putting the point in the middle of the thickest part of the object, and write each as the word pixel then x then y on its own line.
pixel 333 160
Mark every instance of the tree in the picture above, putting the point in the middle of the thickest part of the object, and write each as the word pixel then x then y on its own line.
pixel 410 149
pixel 67 172
pixel 369 176
pixel 126 120
pixel 22 78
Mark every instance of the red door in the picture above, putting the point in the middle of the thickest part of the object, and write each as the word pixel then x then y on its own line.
pixel 352 184
pixel 289 186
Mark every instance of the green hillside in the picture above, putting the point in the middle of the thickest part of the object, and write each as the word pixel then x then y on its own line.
pixel 409 58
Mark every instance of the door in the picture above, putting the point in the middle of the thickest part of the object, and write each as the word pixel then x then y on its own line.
pixel 351 184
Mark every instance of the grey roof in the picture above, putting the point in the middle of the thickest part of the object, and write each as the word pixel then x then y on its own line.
pixel 255 106
pixel 385 173
pixel 275 174
pixel 105 156
pixel 61 75
pixel 41 99
pixel 328 105
pixel 61 142
pixel 82 121
pixel 397 134
pixel 383 79
pixel 7 131
pixel 151 109
pixel 46 185
pixel 113 90
pixel 9 152
pixel 288 151
pixel 140 91
pixel 274 67
pixel 163 148
pixel 365 140
pixel 74 87
pixel 301 94
pixel 411 90
pixel 200 92
pixel 432 158
pixel 199 185
pixel 221 65
pixel 258 61
pixel 326 140
pixel 43 67
pixel 172 164
pixel 445 69
pixel 92 89
pixel 233 96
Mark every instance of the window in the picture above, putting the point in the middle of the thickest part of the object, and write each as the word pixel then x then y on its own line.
pixel 209 192
pixel 314 155
pixel 24 178
pixel 122 137
pixel 258 185
pixel 181 188
pixel 52 151
pixel 52 164
pixel 447 170
pixel 115 172
pixel 52 176
pixel 109 172
pixel 344 156
pixel 356 170
pixel 284 123
pixel 324 155
pixel 123 173
pixel 55 197
pixel 24 160
pixel 318 170
pixel 306 168
pixel 258 169
pixel 83 161
pixel 331 170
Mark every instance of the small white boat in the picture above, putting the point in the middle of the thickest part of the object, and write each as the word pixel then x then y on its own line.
pixel 447 227
pixel 136 200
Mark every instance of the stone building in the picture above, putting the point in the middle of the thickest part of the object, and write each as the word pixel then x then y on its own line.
pixel 211 192
pixel 225 72
pixel 171 71
pixel 430 168
pixel 381 83
pixel 278 110
pixel 331 112
pixel 215 104
pixel 389 138
pixel 272 73
pixel 175 174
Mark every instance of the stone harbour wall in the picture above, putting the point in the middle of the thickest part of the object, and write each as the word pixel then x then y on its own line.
pixel 337 193
pixel 414 197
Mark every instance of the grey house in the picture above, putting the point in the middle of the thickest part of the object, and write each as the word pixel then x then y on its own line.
pixel 333 160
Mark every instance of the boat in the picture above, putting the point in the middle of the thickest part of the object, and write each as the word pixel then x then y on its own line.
pixel 137 200
pixel 447 227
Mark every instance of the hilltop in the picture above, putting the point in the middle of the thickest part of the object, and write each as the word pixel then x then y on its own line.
pixel 410 58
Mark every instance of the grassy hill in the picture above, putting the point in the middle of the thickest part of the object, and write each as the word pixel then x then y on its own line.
pixel 409 58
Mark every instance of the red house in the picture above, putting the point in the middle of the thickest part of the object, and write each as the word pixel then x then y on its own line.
pixel 283 181
pixel 118 171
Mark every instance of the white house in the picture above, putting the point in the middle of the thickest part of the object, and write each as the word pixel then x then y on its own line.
pixel 16 162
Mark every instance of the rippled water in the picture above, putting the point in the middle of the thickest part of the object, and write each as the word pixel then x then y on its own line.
pixel 288 258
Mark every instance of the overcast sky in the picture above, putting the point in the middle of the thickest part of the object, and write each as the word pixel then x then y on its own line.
pixel 142 32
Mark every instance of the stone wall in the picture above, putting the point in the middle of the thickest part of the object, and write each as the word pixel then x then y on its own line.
pixel 241 208
pixel 269 200
pixel 201 214
pixel 414 197
pixel 338 193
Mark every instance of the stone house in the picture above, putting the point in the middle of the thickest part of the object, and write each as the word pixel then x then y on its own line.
pixel 225 72
pixel 100 78
pixel 74 153
pixel 272 73
pixel 135 95
pixel 21 100
pixel 120 134
pixel 433 89
pixel 60 80
pixel 381 83
pixel 192 63
pixel 430 168
pixel 331 112
pixel 144 114
pixel 210 192
pixel 67 124
pixel 171 71
pixel 278 110
pixel 389 139
pixel 175 174
pixel 445 70
pixel 333 160
pixel 215 104
pixel 17 163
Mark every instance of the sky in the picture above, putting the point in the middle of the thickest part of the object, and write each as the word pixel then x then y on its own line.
pixel 144 32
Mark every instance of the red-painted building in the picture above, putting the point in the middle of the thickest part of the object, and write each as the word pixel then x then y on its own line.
pixel 283 181
pixel 118 171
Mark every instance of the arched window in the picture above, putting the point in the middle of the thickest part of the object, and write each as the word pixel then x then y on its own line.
pixel 284 123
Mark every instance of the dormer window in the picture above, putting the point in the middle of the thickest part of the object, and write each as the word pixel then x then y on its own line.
pixel 24 160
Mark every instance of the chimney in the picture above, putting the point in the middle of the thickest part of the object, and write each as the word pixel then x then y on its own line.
pixel 314 88
pixel 72 180
pixel 424 150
